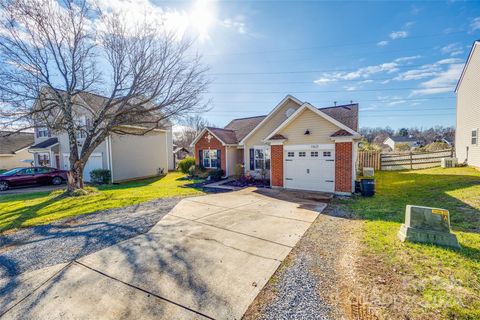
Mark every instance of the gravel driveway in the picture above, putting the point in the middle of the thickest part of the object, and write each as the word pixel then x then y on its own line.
pixel 71 238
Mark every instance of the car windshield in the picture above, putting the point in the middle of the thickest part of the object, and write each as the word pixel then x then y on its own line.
pixel 11 172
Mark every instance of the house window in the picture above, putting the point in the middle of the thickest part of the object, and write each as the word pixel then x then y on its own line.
pixel 82 125
pixel 327 154
pixel 42 132
pixel 302 154
pixel 474 136
pixel 210 158
pixel 290 154
pixel 262 158
pixel 314 154
pixel 43 159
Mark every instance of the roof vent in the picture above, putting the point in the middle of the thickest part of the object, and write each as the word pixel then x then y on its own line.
pixel 289 112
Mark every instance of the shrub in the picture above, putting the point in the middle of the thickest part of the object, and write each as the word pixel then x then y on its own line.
pixel 100 176
pixel 198 172
pixel 402 147
pixel 436 146
pixel 185 164
pixel 81 192
pixel 216 174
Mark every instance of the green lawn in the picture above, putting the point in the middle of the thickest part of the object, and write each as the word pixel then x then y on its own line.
pixel 32 209
pixel 444 283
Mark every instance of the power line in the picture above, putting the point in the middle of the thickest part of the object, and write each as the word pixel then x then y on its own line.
pixel 328 91
pixel 332 45
pixel 356 101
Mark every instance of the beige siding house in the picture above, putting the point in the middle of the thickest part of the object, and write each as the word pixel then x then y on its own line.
pixel 295 146
pixel 127 156
pixel 467 144
pixel 14 149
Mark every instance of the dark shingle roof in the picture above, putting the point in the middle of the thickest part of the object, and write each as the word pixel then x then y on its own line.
pixel 346 114
pixel 244 126
pixel 227 136
pixel 12 142
pixel 403 139
pixel 277 137
pixel 238 129
pixel 45 144
pixel 341 133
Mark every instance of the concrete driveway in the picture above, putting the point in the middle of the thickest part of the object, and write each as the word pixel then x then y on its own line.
pixel 30 189
pixel 208 258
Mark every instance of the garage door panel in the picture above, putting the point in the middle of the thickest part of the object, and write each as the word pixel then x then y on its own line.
pixel 310 169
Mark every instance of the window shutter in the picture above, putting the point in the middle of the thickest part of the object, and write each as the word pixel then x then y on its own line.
pixel 200 158
pixel 252 159
pixel 219 159
pixel 36 132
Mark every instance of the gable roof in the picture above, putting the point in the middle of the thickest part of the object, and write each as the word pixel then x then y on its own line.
pixel 224 135
pixel 403 139
pixel 237 130
pixel 346 114
pixel 12 142
pixel 320 113
pixel 244 126
pixel 45 144
pixel 475 43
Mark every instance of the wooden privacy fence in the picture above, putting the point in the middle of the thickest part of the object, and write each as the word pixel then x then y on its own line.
pixel 401 161
pixel 369 159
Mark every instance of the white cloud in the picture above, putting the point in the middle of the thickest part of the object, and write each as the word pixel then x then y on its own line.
pixel 324 80
pixel 444 82
pixel 410 58
pixel 382 43
pixel 475 24
pixel 449 61
pixel 237 23
pixel 453 49
pixel 398 34
pixel 351 88
pixel 394 103
pixel 409 24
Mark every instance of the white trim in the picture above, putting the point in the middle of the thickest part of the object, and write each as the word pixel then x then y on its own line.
pixel 46 149
pixel 343 139
pixel 475 43
pixel 314 110
pixel 226 161
pixel 109 157
pixel 140 128
pixel 277 142
pixel 309 146
pixel 278 106
pixel 194 142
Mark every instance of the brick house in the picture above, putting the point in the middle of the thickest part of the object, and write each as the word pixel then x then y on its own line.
pixel 295 146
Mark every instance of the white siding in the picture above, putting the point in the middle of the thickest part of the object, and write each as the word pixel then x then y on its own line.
pixel 468 111
pixel 139 156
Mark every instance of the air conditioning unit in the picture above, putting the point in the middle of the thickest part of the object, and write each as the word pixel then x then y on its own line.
pixel 449 162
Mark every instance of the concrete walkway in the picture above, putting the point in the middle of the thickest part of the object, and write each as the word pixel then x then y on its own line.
pixel 208 258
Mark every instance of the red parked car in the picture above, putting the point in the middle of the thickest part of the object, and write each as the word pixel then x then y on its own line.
pixel 33 175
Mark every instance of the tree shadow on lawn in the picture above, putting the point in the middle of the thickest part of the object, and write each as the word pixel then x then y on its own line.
pixel 131 184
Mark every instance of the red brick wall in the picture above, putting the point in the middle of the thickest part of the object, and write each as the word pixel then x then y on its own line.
pixel 277 165
pixel 214 144
pixel 343 166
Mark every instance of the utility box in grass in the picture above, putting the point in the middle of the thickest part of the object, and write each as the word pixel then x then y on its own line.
pixel 428 225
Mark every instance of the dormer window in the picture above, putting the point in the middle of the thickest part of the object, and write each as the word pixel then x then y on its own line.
pixel 42 132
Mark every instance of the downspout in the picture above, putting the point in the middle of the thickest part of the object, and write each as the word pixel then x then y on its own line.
pixel 109 156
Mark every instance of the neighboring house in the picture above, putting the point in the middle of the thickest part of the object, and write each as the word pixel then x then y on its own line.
pixel 179 153
pixel 295 146
pixel 127 156
pixel 467 146
pixel 393 141
pixel 14 149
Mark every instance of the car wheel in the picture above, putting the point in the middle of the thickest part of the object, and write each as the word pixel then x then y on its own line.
pixel 57 180
pixel 3 185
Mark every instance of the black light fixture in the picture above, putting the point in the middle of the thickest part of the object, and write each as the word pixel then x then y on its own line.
pixel 307 132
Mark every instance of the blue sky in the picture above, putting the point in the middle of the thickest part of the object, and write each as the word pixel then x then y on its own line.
pixel 399 60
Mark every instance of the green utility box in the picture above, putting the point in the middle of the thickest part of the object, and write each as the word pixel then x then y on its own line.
pixel 428 225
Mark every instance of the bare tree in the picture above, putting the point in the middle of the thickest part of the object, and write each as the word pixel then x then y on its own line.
pixel 51 53
pixel 192 126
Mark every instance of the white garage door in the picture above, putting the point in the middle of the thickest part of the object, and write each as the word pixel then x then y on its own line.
pixel 94 162
pixel 310 169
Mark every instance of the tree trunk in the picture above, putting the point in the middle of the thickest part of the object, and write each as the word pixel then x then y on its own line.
pixel 75 176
